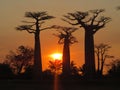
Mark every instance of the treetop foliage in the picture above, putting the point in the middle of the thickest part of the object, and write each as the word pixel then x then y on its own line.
pixel 38 15
pixel 88 19
pixel 65 33
pixel 39 18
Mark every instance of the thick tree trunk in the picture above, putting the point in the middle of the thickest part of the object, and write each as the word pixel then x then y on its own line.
pixel 66 58
pixel 89 54
pixel 37 58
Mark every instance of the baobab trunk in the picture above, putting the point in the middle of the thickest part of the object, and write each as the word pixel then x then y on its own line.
pixel 89 54
pixel 37 55
pixel 66 58
pixel 37 59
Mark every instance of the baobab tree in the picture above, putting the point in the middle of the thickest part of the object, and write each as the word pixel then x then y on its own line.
pixel 34 27
pixel 102 55
pixel 91 22
pixel 66 38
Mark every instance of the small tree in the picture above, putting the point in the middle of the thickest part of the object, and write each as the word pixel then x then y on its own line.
pixel 115 68
pixel 35 28
pixel 66 38
pixel 92 23
pixel 82 70
pixel 101 52
pixel 74 69
pixel 55 66
pixel 20 60
pixel 5 71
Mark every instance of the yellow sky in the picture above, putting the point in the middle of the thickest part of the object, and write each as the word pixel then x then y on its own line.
pixel 12 13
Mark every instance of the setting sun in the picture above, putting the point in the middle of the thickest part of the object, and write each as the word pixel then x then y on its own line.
pixel 57 56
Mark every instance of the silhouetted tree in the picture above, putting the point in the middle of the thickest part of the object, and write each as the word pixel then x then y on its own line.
pixel 91 24
pixel 20 60
pixel 115 69
pixel 82 70
pixel 35 28
pixel 5 71
pixel 73 68
pixel 101 52
pixel 55 66
pixel 66 38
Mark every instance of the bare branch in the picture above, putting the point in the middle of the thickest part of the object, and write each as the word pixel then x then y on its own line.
pixel 81 15
pixel 101 23
pixel 95 14
pixel 103 20
pixel 29 31
pixel 68 17
pixel 87 21
pixel 97 11
pixel 28 28
pixel 70 22
pixel 46 17
pixel 78 16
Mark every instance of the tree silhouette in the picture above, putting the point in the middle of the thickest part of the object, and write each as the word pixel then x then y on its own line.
pixel 115 69
pixel 66 38
pixel 55 66
pixel 35 28
pixel 74 69
pixel 82 70
pixel 20 60
pixel 91 24
pixel 101 52
pixel 5 71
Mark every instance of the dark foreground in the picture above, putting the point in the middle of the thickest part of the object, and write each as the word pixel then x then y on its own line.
pixel 106 84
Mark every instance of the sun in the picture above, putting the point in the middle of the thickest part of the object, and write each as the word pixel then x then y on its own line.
pixel 56 56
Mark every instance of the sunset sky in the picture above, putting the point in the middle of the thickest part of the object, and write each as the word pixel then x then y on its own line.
pixel 12 13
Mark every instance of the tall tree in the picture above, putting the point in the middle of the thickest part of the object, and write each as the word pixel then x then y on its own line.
pixel 66 38
pixel 35 28
pixel 91 24
pixel 101 52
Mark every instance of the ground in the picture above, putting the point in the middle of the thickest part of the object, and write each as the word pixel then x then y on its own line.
pixel 62 85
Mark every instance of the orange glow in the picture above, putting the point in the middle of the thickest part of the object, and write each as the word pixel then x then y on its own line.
pixel 56 56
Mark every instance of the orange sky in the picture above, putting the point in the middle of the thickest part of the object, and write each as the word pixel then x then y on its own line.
pixel 12 13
